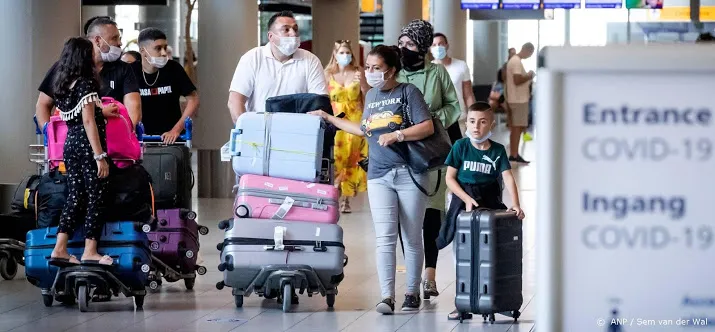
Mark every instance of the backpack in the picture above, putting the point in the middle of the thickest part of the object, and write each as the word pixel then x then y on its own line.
pixel 26 194
pixel 122 143
pixel 51 197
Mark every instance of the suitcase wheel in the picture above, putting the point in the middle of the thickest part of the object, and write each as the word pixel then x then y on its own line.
pixel 189 254
pixel 239 300
pixel 8 267
pixel 242 211
pixel 203 230
pixel 153 285
pixel 201 270
pixel 224 224
pixel 220 285
pixel 330 299
pixel 47 300
pixel 189 283
pixel 139 301
pixel 154 246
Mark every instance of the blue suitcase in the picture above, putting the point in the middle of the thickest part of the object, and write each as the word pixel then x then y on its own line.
pixel 123 241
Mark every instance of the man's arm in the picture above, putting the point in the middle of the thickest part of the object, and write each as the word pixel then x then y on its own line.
pixel 43 109
pixel 236 104
pixel 192 104
pixel 516 69
pixel 242 85
pixel 316 78
pixel 133 102
pixel 468 94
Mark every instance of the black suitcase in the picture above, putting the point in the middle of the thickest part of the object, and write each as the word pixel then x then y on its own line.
pixel 489 264
pixel 15 225
pixel 171 175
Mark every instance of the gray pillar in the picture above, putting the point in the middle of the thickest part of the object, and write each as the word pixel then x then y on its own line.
pixel 397 13
pixel 165 18
pixel 449 19
pixel 334 20
pixel 486 52
pixel 227 29
pixel 27 60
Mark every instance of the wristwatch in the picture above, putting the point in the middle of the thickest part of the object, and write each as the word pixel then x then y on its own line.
pixel 100 156
pixel 400 136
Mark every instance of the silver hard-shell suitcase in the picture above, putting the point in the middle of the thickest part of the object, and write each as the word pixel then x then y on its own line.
pixel 273 258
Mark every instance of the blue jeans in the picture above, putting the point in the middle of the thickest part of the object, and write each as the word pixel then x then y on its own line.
pixel 395 198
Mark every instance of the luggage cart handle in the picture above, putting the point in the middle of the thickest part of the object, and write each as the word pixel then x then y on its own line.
pixel 186 136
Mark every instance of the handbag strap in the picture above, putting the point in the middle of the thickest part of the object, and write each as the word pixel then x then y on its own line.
pixel 423 190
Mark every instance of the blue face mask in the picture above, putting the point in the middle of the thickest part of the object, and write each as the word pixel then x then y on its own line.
pixel 478 140
pixel 439 52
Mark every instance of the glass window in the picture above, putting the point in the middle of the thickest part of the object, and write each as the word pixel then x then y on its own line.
pixel 590 27
pixel 126 17
pixel 541 33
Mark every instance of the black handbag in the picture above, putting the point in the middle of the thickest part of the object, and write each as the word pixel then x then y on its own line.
pixel 429 153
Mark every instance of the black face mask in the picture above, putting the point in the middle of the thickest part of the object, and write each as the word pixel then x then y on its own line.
pixel 411 60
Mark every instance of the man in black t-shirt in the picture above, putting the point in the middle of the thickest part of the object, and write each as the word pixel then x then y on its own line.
pixel 118 80
pixel 162 82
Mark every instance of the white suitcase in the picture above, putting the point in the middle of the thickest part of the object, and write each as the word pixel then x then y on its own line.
pixel 281 145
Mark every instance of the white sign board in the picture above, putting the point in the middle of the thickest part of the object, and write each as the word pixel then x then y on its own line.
pixel 626 189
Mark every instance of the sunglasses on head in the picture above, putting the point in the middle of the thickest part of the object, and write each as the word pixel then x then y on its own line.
pixel 342 41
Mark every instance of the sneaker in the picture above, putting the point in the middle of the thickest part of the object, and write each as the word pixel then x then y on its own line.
pixel 386 307
pixel 429 289
pixel 519 159
pixel 412 303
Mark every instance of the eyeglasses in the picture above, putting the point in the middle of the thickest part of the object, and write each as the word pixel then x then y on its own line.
pixel 342 41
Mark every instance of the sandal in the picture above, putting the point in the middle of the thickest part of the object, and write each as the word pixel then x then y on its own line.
pixel 63 262
pixel 105 261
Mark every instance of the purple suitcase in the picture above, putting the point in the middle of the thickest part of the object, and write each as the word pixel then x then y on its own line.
pixel 175 245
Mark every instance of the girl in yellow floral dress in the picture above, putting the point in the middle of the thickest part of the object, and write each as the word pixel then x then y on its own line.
pixel 347 87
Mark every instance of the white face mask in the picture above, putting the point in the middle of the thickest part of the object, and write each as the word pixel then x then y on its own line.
pixel 439 52
pixel 288 45
pixel 114 53
pixel 157 61
pixel 478 140
pixel 343 59
pixel 375 79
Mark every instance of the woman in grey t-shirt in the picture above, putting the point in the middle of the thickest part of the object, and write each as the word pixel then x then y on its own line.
pixel 392 193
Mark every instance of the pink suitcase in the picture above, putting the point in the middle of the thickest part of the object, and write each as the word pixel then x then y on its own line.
pixel 262 197
pixel 122 143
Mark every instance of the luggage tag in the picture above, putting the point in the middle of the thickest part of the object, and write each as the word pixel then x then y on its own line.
pixel 278 234
pixel 283 209
pixel 226 152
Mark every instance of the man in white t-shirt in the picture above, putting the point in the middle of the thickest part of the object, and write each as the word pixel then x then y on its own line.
pixel 458 72
pixel 518 83
pixel 275 69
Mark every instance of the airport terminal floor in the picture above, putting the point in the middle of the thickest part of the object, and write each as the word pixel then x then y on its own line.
pixel 173 308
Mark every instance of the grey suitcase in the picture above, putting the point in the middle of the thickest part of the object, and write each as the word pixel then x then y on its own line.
pixel 273 258
pixel 488 246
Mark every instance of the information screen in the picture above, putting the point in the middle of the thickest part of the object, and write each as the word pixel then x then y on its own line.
pixel 480 4
pixel 567 4
pixel 521 4
pixel 603 3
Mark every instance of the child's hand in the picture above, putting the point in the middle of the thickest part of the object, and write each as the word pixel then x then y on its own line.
pixel 102 169
pixel 110 111
pixel 472 204
pixel 320 113
pixel 519 212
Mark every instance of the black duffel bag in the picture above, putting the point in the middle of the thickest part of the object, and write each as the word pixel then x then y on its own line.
pixel 25 194
pixel 129 197
pixel 303 103
pixel 51 197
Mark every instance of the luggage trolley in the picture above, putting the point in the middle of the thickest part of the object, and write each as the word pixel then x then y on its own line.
pixel 160 268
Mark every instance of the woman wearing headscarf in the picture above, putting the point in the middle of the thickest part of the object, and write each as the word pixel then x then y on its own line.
pixel 434 82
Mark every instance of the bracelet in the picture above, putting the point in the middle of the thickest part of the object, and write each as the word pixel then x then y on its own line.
pixel 100 156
